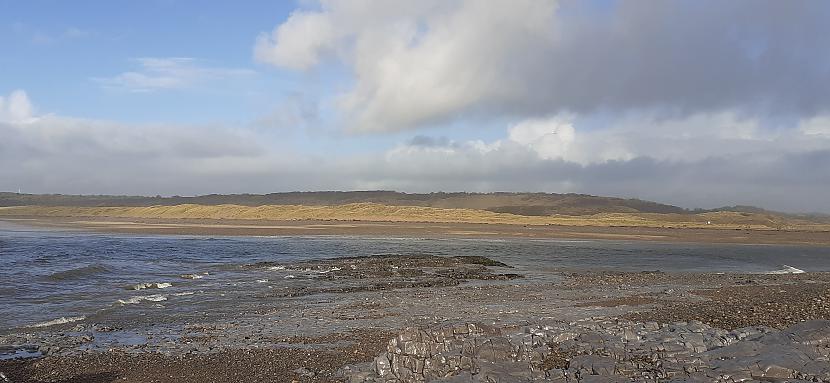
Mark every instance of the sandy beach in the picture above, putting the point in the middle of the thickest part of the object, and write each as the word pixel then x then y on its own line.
pixel 262 227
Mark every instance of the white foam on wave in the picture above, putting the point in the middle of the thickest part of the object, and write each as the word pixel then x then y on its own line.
pixel 191 276
pixel 141 298
pixel 154 285
pixel 61 320
pixel 276 268
pixel 328 271
pixel 786 270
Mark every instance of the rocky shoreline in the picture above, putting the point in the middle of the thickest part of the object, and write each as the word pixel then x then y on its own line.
pixel 415 318
pixel 604 350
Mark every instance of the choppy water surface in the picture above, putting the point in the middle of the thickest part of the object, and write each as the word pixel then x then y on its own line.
pixel 50 277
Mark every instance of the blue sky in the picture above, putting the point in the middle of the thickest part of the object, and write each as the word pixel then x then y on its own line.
pixel 61 47
pixel 677 101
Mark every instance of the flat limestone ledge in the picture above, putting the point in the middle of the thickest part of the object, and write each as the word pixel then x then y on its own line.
pixel 602 350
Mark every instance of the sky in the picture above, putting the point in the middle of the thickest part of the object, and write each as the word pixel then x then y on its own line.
pixel 699 104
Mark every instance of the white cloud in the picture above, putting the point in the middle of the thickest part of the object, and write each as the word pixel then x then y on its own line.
pixel 550 138
pixel 282 49
pixel 791 173
pixel 429 62
pixel 818 126
pixel 677 139
pixel 169 73
pixel 732 161
pixel 689 105
pixel 16 107
pixel 43 153
pixel 415 62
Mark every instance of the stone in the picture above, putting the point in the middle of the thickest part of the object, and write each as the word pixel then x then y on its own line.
pixel 630 335
pixel 381 365
pixel 778 372
pixel 302 371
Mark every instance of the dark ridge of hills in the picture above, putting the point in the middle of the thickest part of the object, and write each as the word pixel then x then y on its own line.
pixel 528 204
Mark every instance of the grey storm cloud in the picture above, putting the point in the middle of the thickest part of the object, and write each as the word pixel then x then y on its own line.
pixel 692 56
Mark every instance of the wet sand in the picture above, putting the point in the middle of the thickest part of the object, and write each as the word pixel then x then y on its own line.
pixel 227 227
pixel 347 332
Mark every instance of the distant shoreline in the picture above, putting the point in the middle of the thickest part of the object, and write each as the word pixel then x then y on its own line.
pixel 375 212
pixel 266 227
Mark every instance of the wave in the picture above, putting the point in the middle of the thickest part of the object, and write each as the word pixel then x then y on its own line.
pixel 142 298
pixel 61 320
pixel 155 285
pixel 79 272
pixel 786 269
pixel 192 276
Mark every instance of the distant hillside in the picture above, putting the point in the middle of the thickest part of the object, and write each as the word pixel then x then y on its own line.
pixel 524 204
pixel 814 217
pixel 527 204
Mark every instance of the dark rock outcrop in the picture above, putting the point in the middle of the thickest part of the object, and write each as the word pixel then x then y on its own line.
pixel 604 350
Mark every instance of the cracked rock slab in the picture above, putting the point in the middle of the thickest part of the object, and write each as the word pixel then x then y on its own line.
pixel 604 350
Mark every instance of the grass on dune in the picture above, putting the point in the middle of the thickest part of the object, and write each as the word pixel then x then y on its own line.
pixel 385 213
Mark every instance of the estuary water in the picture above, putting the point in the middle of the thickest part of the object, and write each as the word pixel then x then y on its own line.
pixel 51 277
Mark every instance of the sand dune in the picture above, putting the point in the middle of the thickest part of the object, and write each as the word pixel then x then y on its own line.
pixel 384 213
